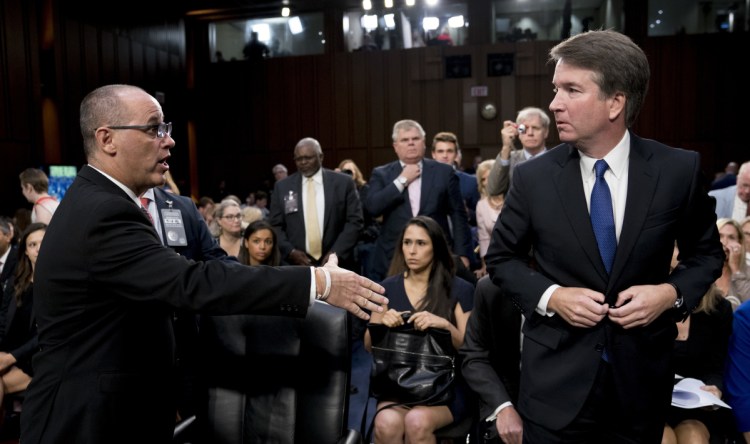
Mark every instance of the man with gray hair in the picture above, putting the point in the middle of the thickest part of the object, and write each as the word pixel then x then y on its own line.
pixel 531 128
pixel 415 186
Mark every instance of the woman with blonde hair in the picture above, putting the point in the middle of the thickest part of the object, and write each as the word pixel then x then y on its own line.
pixel 734 281
pixel 347 166
pixel 487 211
pixel 227 226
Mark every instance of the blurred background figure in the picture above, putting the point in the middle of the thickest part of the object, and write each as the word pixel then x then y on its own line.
pixel 487 211
pixel 727 178
pixel 34 186
pixel 206 207
pixel 733 283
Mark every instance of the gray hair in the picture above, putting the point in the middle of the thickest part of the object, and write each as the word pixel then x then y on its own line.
pixel 405 125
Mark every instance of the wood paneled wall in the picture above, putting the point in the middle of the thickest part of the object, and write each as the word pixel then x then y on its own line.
pixel 244 118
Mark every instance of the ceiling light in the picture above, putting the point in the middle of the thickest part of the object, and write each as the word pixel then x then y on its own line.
pixel 409 2
pixel 388 3
pixel 285 11
pixel 367 5
pixel 390 21
pixel 456 21
pixel 430 23
pixel 369 22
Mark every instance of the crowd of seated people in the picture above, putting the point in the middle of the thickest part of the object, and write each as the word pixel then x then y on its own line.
pixel 702 347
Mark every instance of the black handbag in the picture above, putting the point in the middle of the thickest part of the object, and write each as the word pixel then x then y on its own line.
pixel 412 367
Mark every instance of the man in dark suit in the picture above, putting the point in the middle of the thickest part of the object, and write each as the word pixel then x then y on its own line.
pixel 413 186
pixel 599 301
pixel 445 149
pixel 8 251
pixel 338 211
pixel 181 227
pixel 490 361
pixel 106 288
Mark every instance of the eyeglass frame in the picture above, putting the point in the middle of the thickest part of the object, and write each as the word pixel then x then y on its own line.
pixel 163 129
pixel 232 216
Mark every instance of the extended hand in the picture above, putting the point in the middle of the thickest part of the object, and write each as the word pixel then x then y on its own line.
pixel 580 307
pixel 353 292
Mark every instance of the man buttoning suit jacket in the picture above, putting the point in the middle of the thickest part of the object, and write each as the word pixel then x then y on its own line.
pixel 341 210
pixel 437 190
pixel 490 361
pixel 105 288
pixel 600 322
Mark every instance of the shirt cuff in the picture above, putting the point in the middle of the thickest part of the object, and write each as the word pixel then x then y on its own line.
pixel 497 411
pixel 398 185
pixel 541 307
pixel 505 162
pixel 313 286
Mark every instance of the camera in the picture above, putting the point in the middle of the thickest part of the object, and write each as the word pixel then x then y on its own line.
pixel 349 172
pixel 521 128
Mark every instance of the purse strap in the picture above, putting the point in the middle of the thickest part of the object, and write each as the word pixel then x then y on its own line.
pixel 426 401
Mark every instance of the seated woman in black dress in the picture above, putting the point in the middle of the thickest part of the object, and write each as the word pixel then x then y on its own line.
pixel 422 281
pixel 18 337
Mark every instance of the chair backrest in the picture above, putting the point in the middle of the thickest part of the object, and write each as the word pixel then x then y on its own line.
pixel 276 379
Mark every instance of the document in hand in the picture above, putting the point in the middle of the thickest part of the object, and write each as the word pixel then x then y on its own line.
pixel 687 394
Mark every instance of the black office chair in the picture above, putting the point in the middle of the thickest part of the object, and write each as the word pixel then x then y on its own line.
pixel 276 379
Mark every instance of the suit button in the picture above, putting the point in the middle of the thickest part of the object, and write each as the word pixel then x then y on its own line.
pixel 599 347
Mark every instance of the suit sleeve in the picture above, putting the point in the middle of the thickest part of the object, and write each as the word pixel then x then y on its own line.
pixel 278 221
pixel 460 221
pixel 347 239
pixel 498 181
pixel 476 367
pixel 382 193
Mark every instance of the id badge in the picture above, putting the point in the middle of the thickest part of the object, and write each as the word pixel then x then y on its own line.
pixel 174 227
pixel 291 204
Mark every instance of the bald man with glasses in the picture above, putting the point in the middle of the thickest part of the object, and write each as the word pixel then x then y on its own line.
pixel 105 288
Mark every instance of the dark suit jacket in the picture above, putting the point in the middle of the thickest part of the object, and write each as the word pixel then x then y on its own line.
pixel 491 352
pixel 342 218
pixel 10 266
pixel 440 200
pixel 469 193
pixel 104 292
pixel 545 212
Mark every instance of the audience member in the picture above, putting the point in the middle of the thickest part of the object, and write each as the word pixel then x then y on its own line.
pixel 371 226
pixel 254 49
pixel 316 212
pixel 726 178
pixel 259 245
pixel 8 251
pixel 249 200
pixel 227 226
pixel 732 201
pixel 737 373
pixel 34 186
pixel 279 172
pixel 445 149
pixel 700 352
pixel 599 301
pixel 745 226
pixel 491 362
pixel 18 338
pixel 250 215
pixel 21 219
pixel 734 282
pixel 413 186
pixel 535 124
pixel 488 210
pixel 94 366
pixel 422 282
pixel 206 207
pixel 261 202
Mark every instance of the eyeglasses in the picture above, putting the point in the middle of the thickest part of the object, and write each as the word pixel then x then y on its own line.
pixel 232 216
pixel 162 129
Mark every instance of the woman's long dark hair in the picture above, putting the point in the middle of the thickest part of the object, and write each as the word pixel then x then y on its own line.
pixel 24 271
pixel 442 270
pixel 244 256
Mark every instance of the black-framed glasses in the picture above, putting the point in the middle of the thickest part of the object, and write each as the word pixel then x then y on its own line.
pixel 163 129
pixel 232 216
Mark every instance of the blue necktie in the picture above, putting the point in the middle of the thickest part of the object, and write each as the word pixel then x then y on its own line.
pixel 602 218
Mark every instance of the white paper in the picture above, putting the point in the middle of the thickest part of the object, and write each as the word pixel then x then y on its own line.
pixel 687 394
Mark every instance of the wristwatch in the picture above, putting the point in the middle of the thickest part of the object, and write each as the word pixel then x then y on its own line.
pixel 402 180
pixel 678 302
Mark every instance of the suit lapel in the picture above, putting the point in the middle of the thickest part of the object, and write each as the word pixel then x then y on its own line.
pixel 569 188
pixel 327 197
pixel 642 180
pixel 428 178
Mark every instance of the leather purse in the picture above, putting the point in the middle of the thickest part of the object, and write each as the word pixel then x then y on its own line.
pixel 412 367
